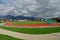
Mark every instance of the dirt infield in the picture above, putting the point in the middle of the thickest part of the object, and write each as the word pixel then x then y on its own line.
pixel 32 25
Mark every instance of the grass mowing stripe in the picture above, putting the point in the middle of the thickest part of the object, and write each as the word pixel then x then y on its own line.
pixel 34 30
pixel 5 37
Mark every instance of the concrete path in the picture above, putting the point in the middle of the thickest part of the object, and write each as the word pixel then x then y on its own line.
pixel 2 24
pixel 54 36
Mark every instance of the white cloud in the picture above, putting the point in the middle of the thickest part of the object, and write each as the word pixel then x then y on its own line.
pixel 5 9
pixel 57 14
pixel 25 7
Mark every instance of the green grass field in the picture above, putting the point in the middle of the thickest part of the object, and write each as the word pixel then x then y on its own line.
pixel 34 30
pixel 5 37
pixel 28 22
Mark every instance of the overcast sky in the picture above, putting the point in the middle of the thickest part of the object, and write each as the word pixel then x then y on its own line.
pixel 35 8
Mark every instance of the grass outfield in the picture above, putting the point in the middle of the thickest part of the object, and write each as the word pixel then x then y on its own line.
pixel 34 30
pixel 28 22
pixel 5 37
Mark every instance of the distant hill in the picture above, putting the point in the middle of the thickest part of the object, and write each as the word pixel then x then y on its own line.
pixel 16 17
